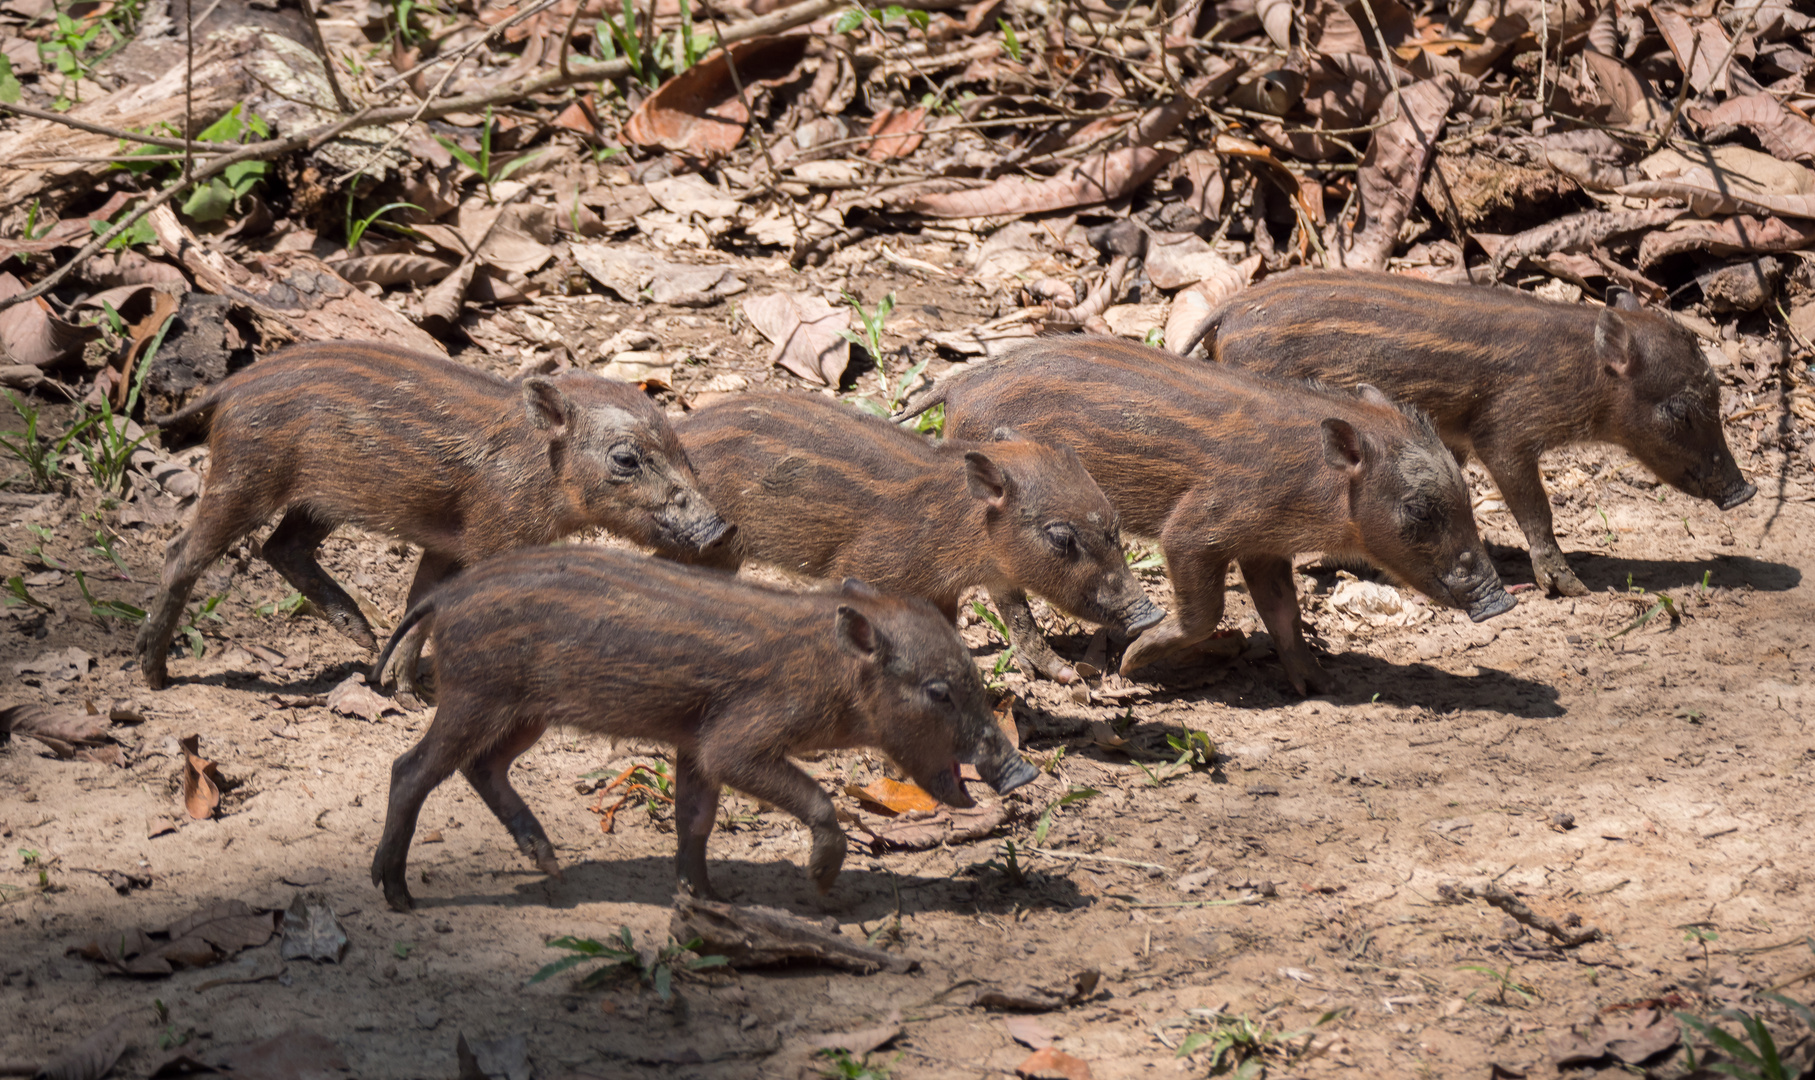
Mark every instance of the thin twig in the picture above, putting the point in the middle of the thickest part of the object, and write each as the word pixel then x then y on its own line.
pixel 327 62
pixel 463 51
pixel 567 35
pixel 112 132
pixel 189 91
pixel 755 130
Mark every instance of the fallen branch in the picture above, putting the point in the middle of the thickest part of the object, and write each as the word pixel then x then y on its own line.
pixel 1515 907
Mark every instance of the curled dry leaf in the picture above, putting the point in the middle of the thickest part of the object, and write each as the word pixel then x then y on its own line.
pixel 94 1056
pixel 699 111
pixel 396 268
pixel 352 697
pixel 1029 1032
pixel 1734 235
pixel 893 797
pixel 1097 179
pixel 1699 46
pixel 1782 132
pixel 201 781
pixel 1051 1064
pixel 859 1042
pixel 805 330
pixel 63 728
pixel 32 335
pixel 1634 1038
pixel 1727 180
pixel 204 937
pixel 65 664
pixel 296 1054
pixel 1630 102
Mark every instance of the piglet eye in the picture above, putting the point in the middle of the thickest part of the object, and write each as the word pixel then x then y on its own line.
pixel 939 692
pixel 1062 539
pixel 624 460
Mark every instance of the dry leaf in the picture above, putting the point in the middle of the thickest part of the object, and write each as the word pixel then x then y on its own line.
pixel 1736 235
pixel 201 781
pixel 352 697
pixel 692 195
pixel 94 1056
pixel 1393 169
pixel 859 1042
pixel 1029 1032
pixel 1097 179
pixel 898 133
pixel 296 1054
pixel 893 797
pixel 396 268
pixel 312 933
pixel 65 664
pixel 1050 1064
pixel 63 728
pixel 1727 180
pixel 1699 48
pixel 1630 101
pixel 948 826
pixel 698 112
pixel 805 330
pixel 32 335
pixel 1784 133
pixel 211 934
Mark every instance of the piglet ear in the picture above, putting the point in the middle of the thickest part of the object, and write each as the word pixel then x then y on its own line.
pixel 857 635
pixel 1623 300
pixel 858 588
pixel 1371 394
pixel 1003 434
pixel 987 480
pixel 547 406
pixel 1342 446
pixel 1613 344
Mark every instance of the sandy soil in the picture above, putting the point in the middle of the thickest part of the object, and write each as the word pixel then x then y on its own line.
pixel 1645 783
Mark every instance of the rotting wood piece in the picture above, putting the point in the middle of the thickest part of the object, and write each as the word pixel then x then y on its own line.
pixel 759 936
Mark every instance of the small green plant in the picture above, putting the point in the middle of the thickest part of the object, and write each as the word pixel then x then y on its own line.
pixel 490 173
pixel 873 324
pixel 170 1037
pixel 356 227
pixel 402 949
pixel 1044 825
pixel 1660 602
pixel 1611 537
pixel 109 452
pixel 10 90
pixel 840 1065
pixel 621 958
pixel 289 607
pixel 103 546
pixel 66 49
pixel 36 554
pixel 855 17
pixel 932 421
pixel 212 201
pixel 1009 864
pixel 1241 1047
pixel 106 609
pixel 1761 1060
pixel 1009 41
pixel 1195 750
pixel 192 630
pixel 994 620
pixel 1156 337
pixel 18 595
pixel 1503 982
pixel 30 856
pixel 34 860
pixel 1142 561
pixel 39 455
pixel 139 232
pixel 1707 576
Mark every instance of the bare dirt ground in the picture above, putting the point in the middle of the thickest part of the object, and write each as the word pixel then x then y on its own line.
pixel 1646 783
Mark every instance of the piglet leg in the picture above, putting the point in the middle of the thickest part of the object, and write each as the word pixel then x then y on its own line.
pixel 221 518
pixel 1199 577
pixel 291 550
pixel 414 774
pixel 695 805
pixel 1032 652
pixel 777 781
pixel 1522 485
pixel 490 776
pixel 1270 586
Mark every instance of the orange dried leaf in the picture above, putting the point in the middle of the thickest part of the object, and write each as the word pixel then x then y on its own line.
pixel 201 781
pixel 1050 1064
pixel 894 796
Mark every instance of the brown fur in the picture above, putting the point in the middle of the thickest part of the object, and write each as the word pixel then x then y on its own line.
pixel 1501 373
pixel 417 447
pixel 1221 466
pixel 820 489
pixel 735 676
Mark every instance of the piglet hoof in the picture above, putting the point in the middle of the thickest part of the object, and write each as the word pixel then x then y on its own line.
pixel 550 865
pixel 156 675
pixel 828 859
pixel 397 894
pixel 1567 584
